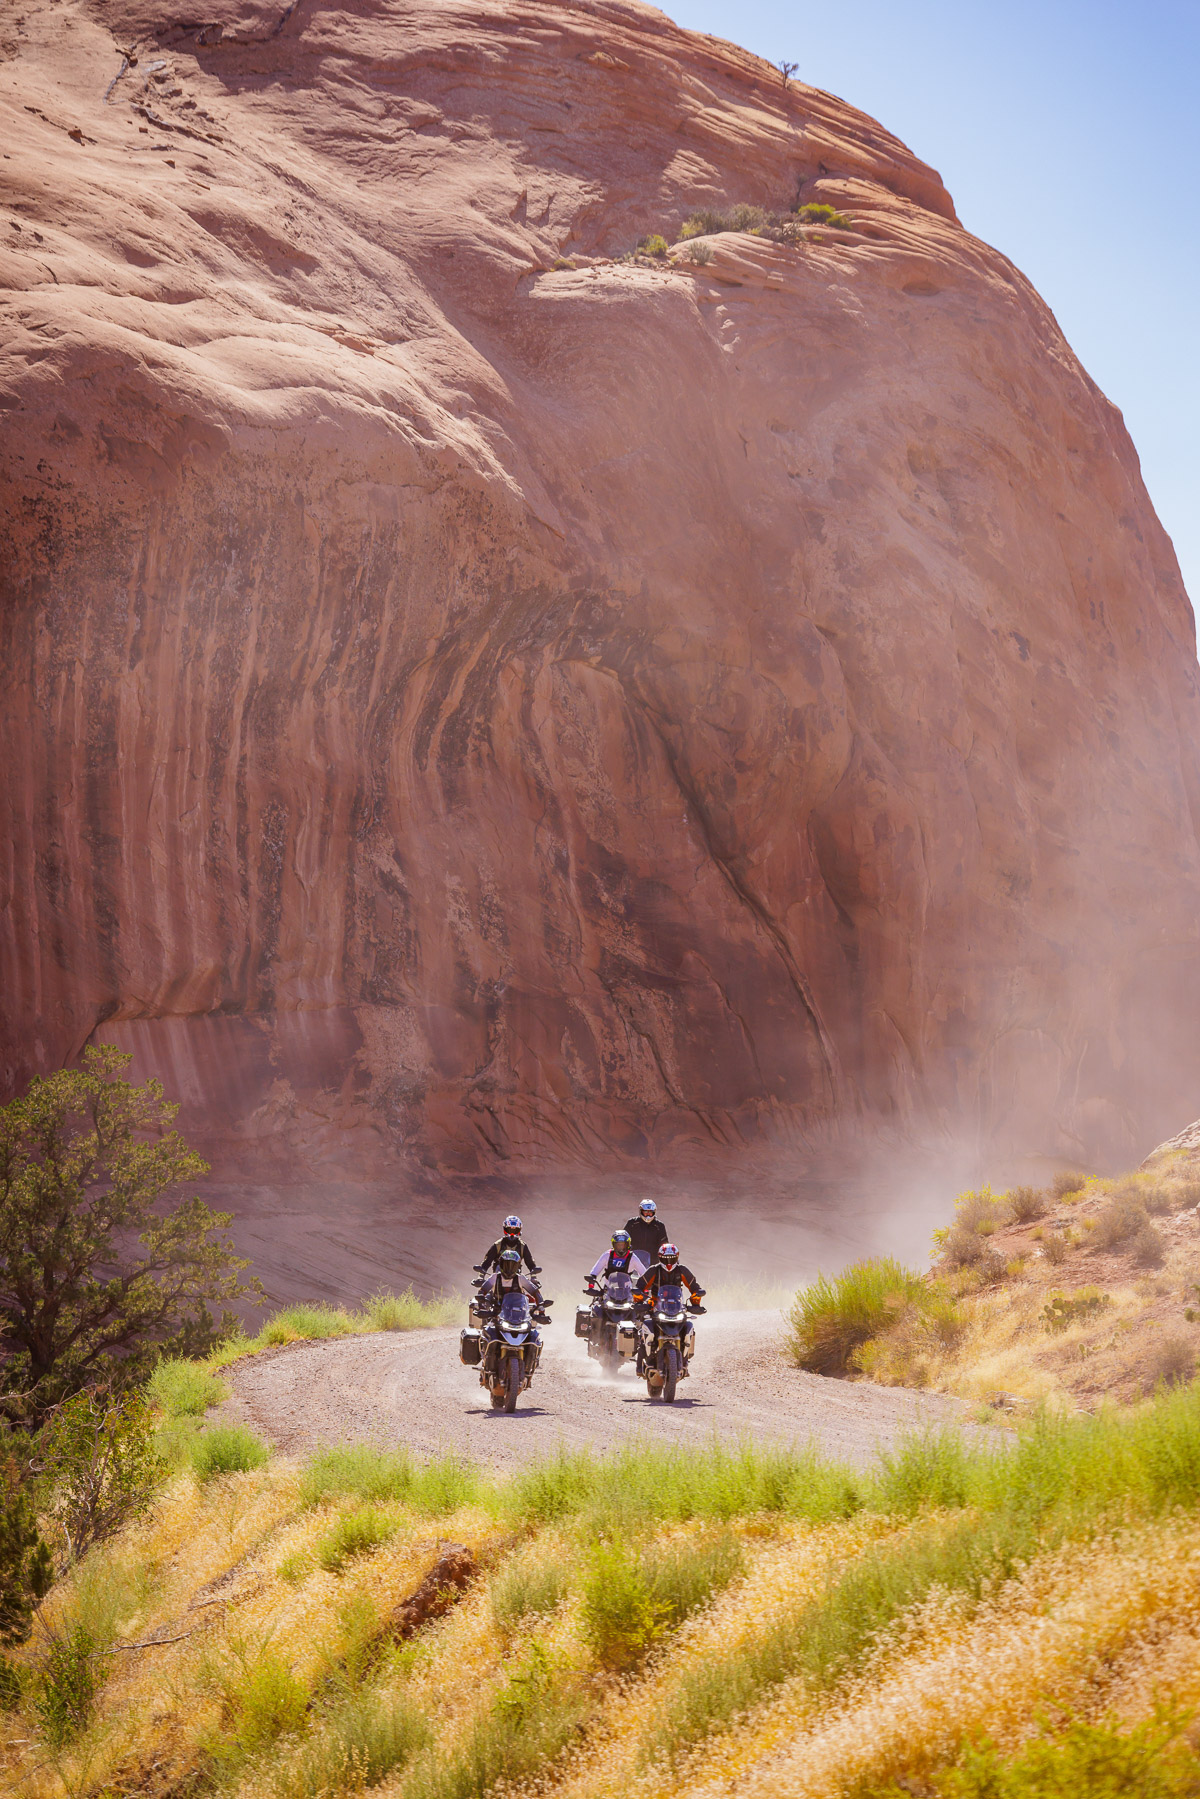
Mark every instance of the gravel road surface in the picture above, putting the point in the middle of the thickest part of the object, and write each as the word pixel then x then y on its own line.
pixel 412 1389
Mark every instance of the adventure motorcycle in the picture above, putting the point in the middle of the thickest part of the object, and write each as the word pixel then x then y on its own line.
pixel 506 1349
pixel 607 1323
pixel 668 1340
pixel 474 1315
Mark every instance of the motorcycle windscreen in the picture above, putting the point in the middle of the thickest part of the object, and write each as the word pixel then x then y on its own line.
pixel 619 1288
pixel 670 1302
pixel 514 1311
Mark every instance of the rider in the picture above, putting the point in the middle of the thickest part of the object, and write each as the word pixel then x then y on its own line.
pixel 513 1239
pixel 508 1278
pixel 619 1260
pixel 668 1271
pixel 647 1233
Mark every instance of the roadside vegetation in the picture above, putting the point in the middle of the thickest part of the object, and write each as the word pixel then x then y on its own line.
pixel 1083 1292
pixel 974 1615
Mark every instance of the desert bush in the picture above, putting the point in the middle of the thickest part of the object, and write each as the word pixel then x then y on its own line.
pixel 1026 1204
pixel 26 1572
pixel 909 1352
pixel 525 1589
pixel 1187 1195
pixel 619 1618
pixel 928 1469
pixel 353 1534
pixel 709 221
pixel 654 245
pixel 97 1278
pixel 681 1577
pixel 1148 1248
pixel 815 213
pixel 184 1389
pixel 227 1449
pixel 537 1712
pixel 98 1455
pixel 828 1320
pixel 1173 1362
pixel 1066 1183
pixel 1057 1247
pixel 306 1322
pixel 65 1685
pixel 700 254
pixel 1157 1199
pixel 1062 1310
pixel 261 1699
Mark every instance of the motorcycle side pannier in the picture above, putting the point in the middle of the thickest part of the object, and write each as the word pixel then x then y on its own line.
pixel 627 1336
pixel 469 1344
pixel 583 1321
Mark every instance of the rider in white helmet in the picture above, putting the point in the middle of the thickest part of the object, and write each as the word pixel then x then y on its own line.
pixel 647 1233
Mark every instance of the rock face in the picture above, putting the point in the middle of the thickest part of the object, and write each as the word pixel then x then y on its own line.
pixel 465 707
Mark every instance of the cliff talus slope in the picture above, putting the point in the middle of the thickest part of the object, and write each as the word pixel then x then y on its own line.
pixel 494 711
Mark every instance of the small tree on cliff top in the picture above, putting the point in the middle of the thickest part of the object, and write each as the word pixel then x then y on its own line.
pixel 96 1279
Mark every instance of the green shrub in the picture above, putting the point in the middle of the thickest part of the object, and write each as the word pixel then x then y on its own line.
pixel 815 213
pixel 830 1319
pixel 538 1711
pixel 353 1534
pixel 620 1617
pixel 227 1449
pixel 1056 1246
pixel 185 1389
pixel 681 1577
pixel 700 254
pixel 654 245
pixel 306 1321
pixel 1119 1220
pixel 930 1469
pixel 709 221
pixel 26 1573
pixel 1065 1184
pixel 10 1685
pixel 100 1458
pixel 65 1693
pixel 261 1699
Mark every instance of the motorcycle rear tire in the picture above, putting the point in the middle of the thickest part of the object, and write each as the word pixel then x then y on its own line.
pixel 670 1373
pixel 512 1383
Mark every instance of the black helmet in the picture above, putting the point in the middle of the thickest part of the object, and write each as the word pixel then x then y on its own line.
pixel 622 1242
pixel 512 1225
pixel 510 1259
pixel 668 1255
pixel 647 1209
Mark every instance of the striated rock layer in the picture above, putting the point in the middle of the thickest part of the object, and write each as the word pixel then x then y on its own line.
pixel 468 708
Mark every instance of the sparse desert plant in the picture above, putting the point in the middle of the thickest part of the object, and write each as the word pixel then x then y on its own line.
pixel 1157 1198
pixel 261 1699
pixel 1026 1204
pixel 1083 1760
pixel 352 1534
pixel 1062 1310
pixel 698 253
pixel 406 1311
pixel 1148 1247
pixel 828 1320
pixel 357 1745
pixel 1119 1219
pixel 306 1323
pixel 816 213
pixel 653 245
pixel 1187 1195
pixel 1057 1247
pixel 227 1449
pixel 1066 1183
pixel 710 221
pixel 619 1618
pixel 1174 1361
pixel 683 1576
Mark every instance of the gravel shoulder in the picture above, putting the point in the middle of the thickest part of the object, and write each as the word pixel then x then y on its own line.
pixel 411 1389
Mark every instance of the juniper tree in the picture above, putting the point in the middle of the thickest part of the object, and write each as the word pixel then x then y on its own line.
pixel 98 1276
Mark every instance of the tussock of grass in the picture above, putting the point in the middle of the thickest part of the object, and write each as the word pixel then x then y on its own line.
pixel 368 1737
pixel 227 1449
pixel 353 1534
pixel 383 1311
pixel 832 1318
pixel 185 1389
pixel 359 1471
pixel 527 1589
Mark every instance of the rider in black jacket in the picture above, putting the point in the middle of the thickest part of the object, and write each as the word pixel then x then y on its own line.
pixel 647 1233
pixel 667 1271
pixel 512 1239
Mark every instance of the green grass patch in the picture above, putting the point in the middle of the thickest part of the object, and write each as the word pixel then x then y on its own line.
pixel 526 1589
pixel 353 1534
pixel 185 1389
pixel 831 1319
pixel 816 213
pixel 355 1745
pixel 1152 1760
pixel 539 1710
pixel 227 1449
pixel 360 1471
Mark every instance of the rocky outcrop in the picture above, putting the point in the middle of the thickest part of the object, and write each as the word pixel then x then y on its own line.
pixel 473 699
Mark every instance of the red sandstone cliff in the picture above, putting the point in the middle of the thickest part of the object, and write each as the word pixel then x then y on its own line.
pixel 490 710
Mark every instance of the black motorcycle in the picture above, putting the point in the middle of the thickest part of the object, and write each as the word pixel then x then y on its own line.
pixel 506 1349
pixel 607 1323
pixel 668 1341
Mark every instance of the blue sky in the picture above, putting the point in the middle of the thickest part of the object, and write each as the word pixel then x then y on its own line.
pixel 1069 136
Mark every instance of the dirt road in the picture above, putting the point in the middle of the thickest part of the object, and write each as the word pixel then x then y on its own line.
pixel 412 1389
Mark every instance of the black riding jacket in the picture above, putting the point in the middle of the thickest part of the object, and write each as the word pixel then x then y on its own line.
pixel 647 1239
pixel 492 1258
pixel 679 1276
